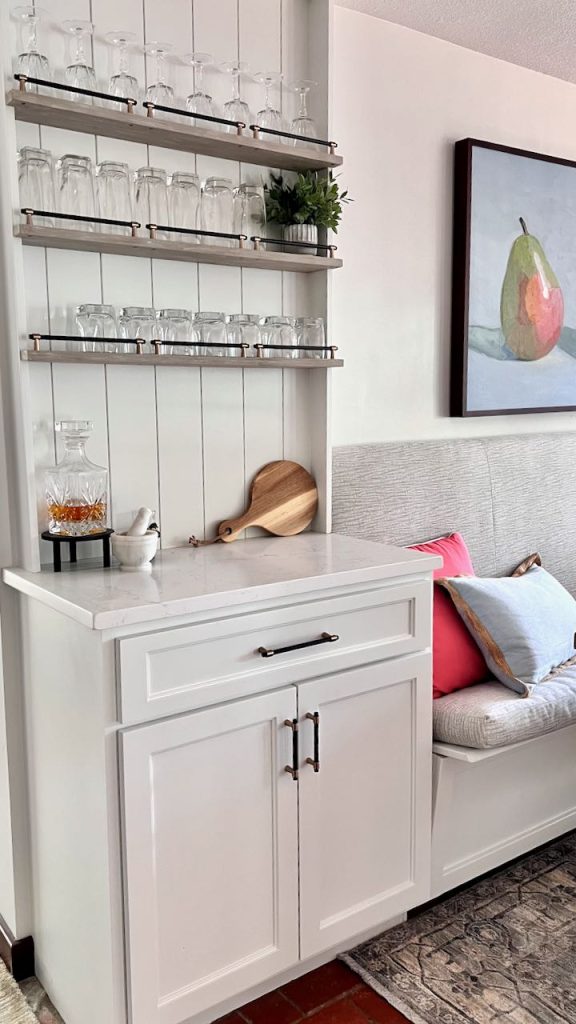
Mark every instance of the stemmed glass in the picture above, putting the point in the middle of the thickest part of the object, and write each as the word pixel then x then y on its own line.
pixel 30 61
pixel 122 83
pixel 303 124
pixel 269 116
pixel 159 92
pixel 199 102
pixel 235 109
pixel 80 72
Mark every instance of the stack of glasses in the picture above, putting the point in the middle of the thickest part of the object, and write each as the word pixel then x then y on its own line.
pixel 111 190
pixel 200 334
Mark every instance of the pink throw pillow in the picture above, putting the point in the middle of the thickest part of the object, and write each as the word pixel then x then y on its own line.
pixel 457 659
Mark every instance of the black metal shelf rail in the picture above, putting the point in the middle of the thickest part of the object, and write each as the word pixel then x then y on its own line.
pixel 259 242
pixel 239 126
pixel 155 228
pixel 30 214
pixel 25 80
pixel 158 344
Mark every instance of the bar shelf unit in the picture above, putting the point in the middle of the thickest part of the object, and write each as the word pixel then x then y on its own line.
pixel 162 249
pixel 160 131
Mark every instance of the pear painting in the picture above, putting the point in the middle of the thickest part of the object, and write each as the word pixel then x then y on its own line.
pixel 531 305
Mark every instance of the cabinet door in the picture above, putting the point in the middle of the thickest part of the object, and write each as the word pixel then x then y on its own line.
pixel 365 814
pixel 211 860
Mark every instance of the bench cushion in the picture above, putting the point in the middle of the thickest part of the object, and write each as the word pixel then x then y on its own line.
pixel 491 715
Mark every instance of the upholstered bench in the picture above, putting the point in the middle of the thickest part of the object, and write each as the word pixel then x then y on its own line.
pixel 504 766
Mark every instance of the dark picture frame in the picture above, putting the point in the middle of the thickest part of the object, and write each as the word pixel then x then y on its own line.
pixel 461 284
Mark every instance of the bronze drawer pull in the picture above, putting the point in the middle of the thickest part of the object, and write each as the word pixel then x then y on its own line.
pixel 325 638
pixel 314 716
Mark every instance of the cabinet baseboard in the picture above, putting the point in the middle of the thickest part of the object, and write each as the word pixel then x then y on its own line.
pixel 17 954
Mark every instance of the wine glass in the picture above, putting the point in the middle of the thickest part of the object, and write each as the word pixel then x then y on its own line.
pixel 269 116
pixel 30 61
pixel 159 92
pixel 122 83
pixel 199 102
pixel 235 109
pixel 303 124
pixel 80 72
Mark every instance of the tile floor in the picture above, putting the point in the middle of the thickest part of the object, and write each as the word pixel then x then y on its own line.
pixel 332 994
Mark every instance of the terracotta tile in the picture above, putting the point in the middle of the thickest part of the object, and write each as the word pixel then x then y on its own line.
pixel 343 1011
pixel 321 986
pixel 272 1008
pixel 230 1018
pixel 377 1010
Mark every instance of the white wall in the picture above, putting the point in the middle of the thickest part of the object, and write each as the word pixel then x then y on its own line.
pixel 401 99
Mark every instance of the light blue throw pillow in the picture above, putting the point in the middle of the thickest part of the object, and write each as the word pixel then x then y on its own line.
pixel 524 625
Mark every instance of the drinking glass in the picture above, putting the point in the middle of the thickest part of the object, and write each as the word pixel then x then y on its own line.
pixel 211 330
pixel 29 60
pixel 280 330
pixel 75 188
pixel 136 322
pixel 250 211
pixel 236 109
pixel 96 321
pixel 122 83
pixel 80 72
pixel 175 325
pixel 114 189
pixel 183 201
pixel 199 102
pixel 310 330
pixel 36 181
pixel 159 92
pixel 151 197
pixel 243 328
pixel 269 116
pixel 303 124
pixel 217 209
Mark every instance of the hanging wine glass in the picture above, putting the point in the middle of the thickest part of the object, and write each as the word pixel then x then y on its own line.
pixel 269 116
pixel 29 60
pixel 159 92
pixel 122 83
pixel 236 109
pixel 199 101
pixel 80 73
pixel 303 124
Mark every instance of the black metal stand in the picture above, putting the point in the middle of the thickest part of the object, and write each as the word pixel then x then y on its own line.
pixel 57 539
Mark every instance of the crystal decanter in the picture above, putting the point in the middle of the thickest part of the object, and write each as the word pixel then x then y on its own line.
pixel 76 489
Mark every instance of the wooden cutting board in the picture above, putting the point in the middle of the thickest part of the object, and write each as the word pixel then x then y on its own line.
pixel 283 500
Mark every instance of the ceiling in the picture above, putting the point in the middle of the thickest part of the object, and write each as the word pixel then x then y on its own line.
pixel 537 34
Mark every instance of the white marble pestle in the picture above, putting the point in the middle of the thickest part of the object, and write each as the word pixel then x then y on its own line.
pixel 136 548
pixel 141 523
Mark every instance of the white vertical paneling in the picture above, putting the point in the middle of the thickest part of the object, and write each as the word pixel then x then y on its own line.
pixel 111 16
pixel 171 22
pixel 73 278
pixel 222 411
pixel 175 285
pixel 220 288
pixel 126 281
pixel 133 441
pixel 39 380
pixel 27 134
pixel 263 422
pixel 180 455
pixel 262 292
pixel 259 33
pixel 216 32
pixel 297 426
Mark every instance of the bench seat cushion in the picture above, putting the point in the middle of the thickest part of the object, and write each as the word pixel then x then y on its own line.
pixel 491 715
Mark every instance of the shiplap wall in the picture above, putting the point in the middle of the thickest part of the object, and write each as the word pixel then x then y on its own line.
pixel 184 441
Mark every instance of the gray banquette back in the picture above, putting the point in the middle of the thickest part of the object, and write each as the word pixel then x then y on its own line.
pixel 508 497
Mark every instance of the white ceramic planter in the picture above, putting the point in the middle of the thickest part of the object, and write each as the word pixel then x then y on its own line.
pixel 135 553
pixel 301 233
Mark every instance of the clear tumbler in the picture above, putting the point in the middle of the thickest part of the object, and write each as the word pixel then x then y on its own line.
pixel 36 181
pixel 75 188
pixel 175 325
pixel 183 200
pixel 114 189
pixel 151 197
pixel 217 209
pixel 96 321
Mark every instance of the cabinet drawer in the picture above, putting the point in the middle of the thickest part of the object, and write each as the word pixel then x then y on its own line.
pixel 218 659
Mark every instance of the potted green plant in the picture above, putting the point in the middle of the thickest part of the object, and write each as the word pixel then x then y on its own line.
pixel 311 202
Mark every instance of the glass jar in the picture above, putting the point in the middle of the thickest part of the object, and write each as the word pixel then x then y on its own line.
pixel 183 200
pixel 310 331
pixel 75 189
pixel 95 320
pixel 36 182
pixel 76 489
pixel 217 210
pixel 175 325
pixel 250 211
pixel 136 322
pixel 151 198
pixel 244 328
pixel 211 329
pixel 279 332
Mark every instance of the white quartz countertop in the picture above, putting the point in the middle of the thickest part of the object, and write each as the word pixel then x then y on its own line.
pixel 187 580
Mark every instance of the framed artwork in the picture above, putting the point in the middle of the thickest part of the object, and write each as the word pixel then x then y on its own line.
pixel 513 282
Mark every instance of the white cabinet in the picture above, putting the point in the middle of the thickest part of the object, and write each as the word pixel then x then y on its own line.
pixel 365 811
pixel 210 855
pixel 232 859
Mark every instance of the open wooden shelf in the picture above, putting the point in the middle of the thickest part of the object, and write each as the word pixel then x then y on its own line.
pixel 161 131
pixel 223 362
pixel 162 249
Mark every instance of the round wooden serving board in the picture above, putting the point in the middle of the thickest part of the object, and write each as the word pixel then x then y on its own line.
pixel 283 500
